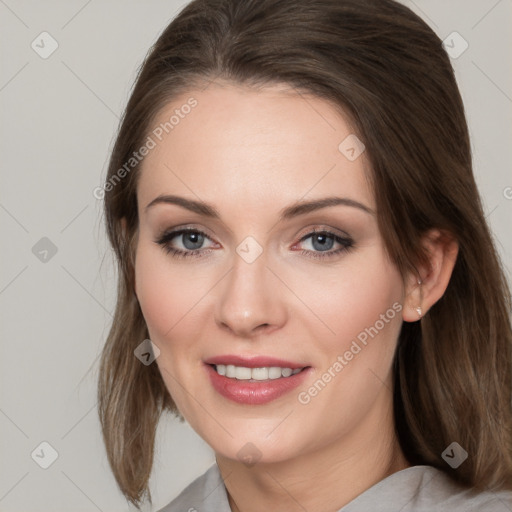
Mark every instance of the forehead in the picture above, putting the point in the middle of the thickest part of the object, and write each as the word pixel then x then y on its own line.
pixel 230 141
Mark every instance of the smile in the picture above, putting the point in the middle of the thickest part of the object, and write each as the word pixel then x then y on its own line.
pixel 254 374
pixel 256 385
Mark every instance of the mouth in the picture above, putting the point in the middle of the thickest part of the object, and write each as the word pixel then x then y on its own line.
pixel 254 381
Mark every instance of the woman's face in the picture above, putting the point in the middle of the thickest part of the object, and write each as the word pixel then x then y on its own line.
pixel 257 282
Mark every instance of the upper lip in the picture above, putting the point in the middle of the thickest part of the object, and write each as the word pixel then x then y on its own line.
pixel 253 361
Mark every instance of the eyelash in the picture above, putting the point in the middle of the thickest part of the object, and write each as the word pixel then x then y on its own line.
pixel 346 243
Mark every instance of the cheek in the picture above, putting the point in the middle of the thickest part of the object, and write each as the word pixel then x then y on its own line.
pixel 352 297
pixel 361 303
pixel 367 295
pixel 162 291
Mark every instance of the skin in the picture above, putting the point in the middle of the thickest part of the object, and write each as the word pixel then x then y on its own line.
pixel 250 153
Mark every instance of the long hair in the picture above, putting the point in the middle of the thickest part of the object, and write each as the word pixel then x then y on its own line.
pixel 387 70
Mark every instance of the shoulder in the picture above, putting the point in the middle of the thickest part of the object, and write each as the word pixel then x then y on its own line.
pixel 206 492
pixel 427 489
pixel 442 492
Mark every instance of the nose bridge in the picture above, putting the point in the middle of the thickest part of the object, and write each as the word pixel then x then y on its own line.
pixel 249 298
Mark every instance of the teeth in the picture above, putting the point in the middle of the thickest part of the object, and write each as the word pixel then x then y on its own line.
pixel 244 373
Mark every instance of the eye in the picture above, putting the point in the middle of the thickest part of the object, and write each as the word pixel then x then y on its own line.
pixel 184 242
pixel 189 242
pixel 319 244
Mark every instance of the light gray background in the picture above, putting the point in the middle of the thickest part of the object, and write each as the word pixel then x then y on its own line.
pixel 58 120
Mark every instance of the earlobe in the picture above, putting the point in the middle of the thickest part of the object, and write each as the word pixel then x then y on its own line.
pixel 425 290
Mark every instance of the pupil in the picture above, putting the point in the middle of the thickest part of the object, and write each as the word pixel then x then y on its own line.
pixel 193 240
pixel 323 242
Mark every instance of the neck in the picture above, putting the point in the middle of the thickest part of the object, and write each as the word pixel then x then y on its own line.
pixel 323 480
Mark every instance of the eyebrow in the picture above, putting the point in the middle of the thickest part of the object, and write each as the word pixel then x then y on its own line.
pixel 296 209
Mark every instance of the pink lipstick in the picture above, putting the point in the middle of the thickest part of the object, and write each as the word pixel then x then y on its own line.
pixel 254 380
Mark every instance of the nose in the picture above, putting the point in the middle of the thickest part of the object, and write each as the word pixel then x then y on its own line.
pixel 251 301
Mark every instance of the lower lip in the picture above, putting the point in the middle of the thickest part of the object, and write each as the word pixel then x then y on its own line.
pixel 254 393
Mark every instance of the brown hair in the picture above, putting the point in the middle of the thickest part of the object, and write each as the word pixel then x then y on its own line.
pixel 386 68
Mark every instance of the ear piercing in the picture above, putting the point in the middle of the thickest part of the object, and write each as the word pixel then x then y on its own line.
pixel 418 310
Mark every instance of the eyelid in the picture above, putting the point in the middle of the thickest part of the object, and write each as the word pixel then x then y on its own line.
pixel 175 232
pixel 311 230
pixel 345 241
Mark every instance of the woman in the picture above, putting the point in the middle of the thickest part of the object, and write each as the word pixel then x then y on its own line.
pixel 306 275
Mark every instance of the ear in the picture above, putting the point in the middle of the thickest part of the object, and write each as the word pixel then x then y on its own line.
pixel 442 250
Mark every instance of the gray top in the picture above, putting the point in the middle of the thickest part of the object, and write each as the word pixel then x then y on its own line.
pixel 414 489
